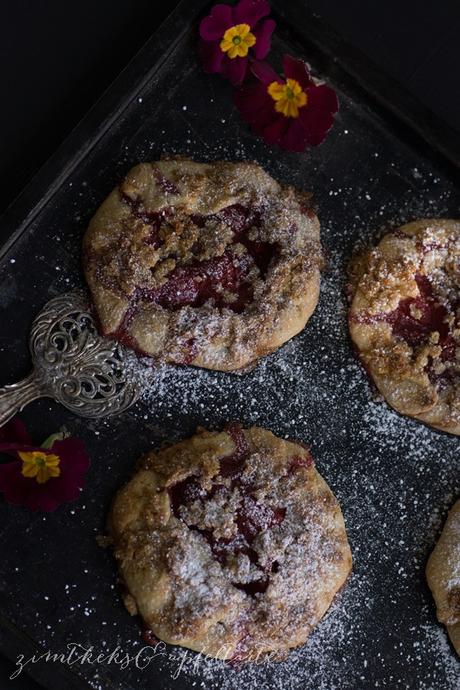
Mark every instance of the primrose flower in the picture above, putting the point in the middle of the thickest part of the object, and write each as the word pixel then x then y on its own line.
pixel 230 35
pixel 41 477
pixel 294 112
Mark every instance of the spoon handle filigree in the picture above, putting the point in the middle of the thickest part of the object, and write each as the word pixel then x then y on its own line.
pixel 15 397
pixel 90 375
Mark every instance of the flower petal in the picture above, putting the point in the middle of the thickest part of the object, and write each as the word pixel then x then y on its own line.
pixel 72 451
pixel 235 70
pixel 15 431
pixel 264 72
pixel 298 70
pixel 60 490
pixel 324 97
pixel 254 104
pixel 213 27
pixel 211 57
pixel 250 11
pixel 263 34
pixel 13 448
pixel 317 127
pixel 274 132
pixel 317 117
pixel 17 489
pixel 295 137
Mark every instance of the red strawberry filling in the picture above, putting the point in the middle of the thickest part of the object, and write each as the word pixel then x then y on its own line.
pixel 415 319
pixel 165 185
pixel 196 283
pixel 226 280
pixel 299 461
pixel 148 636
pixel 252 517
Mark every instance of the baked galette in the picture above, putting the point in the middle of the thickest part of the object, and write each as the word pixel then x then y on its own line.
pixel 405 320
pixel 210 264
pixel 443 575
pixel 230 543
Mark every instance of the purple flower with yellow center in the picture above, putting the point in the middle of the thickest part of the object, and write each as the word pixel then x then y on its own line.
pixel 294 112
pixel 230 35
pixel 41 477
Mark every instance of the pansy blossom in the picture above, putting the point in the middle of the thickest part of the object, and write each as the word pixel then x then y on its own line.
pixel 230 35
pixel 40 477
pixel 292 112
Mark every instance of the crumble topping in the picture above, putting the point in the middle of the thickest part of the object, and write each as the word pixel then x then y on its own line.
pixel 249 552
pixel 405 317
pixel 188 260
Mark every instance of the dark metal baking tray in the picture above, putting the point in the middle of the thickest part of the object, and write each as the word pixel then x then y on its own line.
pixel 386 161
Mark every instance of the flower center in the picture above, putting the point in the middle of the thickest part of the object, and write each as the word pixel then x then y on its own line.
pixel 39 466
pixel 237 40
pixel 288 97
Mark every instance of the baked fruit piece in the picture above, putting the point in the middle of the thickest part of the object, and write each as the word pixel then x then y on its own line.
pixel 443 575
pixel 210 264
pixel 405 320
pixel 230 543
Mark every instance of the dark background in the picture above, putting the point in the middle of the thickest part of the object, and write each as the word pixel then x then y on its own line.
pixel 57 58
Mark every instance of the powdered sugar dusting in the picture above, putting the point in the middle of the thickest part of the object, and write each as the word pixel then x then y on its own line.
pixel 394 478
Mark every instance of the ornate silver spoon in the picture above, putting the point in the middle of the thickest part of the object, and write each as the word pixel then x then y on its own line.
pixel 90 375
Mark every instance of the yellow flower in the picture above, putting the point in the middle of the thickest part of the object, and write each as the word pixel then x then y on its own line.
pixel 237 40
pixel 39 465
pixel 288 97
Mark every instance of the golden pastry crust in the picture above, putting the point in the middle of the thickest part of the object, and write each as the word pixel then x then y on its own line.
pixel 230 543
pixel 212 265
pixel 443 576
pixel 405 320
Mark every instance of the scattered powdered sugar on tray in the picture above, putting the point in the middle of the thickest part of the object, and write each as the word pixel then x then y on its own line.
pixel 323 661
pixel 395 479
pixel 435 637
